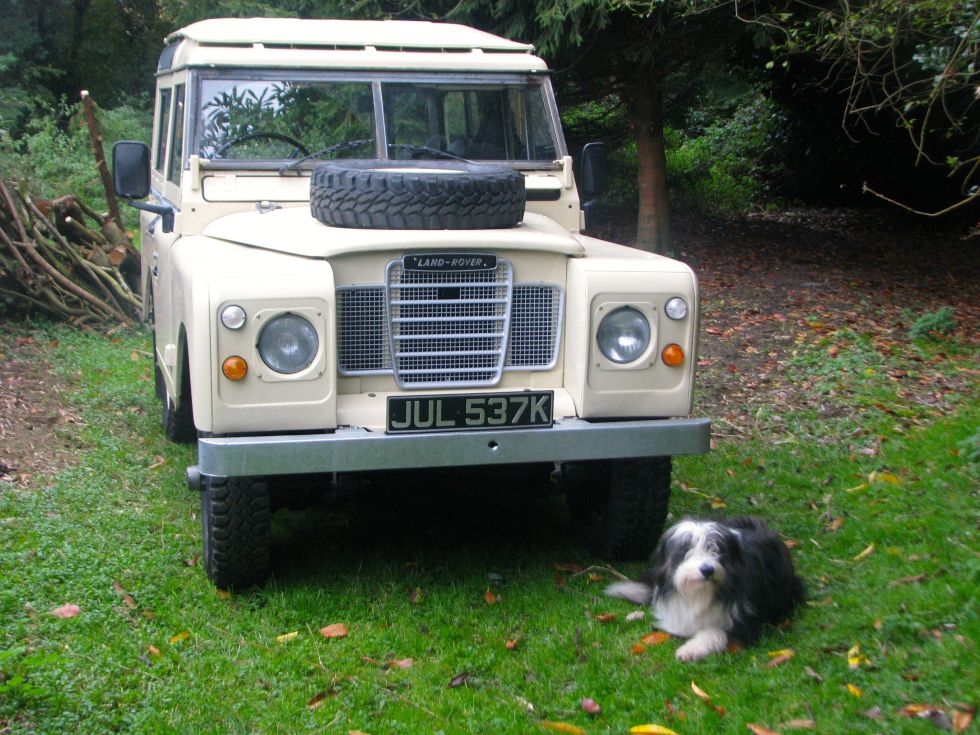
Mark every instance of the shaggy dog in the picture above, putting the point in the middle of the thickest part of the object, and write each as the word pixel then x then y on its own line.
pixel 716 582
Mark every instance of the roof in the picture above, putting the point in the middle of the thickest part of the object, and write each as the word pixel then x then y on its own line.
pixel 388 34
pixel 267 43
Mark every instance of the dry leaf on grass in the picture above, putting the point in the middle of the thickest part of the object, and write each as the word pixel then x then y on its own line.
pixel 489 597
pixel 65 611
pixel 316 700
pixel 286 637
pixel 868 551
pixel 460 679
pixel 703 695
pixel 655 638
pixel 591 706
pixel 651 730
pixel 605 617
pixel 179 637
pixel 562 727
pixel 334 630
pixel 126 597
pixel 760 730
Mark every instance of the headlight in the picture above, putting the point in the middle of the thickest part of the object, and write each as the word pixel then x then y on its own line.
pixel 623 335
pixel 676 308
pixel 288 343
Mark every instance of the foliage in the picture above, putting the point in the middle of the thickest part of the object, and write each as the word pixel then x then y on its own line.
pixel 458 584
pixel 942 321
pixel 914 64
pixel 54 155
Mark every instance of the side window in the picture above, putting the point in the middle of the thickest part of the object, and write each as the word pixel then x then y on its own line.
pixel 163 118
pixel 177 136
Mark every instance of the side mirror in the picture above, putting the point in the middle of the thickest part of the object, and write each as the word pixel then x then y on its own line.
pixel 131 179
pixel 131 169
pixel 595 169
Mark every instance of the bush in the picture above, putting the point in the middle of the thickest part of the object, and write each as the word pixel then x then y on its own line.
pixel 54 156
pixel 933 323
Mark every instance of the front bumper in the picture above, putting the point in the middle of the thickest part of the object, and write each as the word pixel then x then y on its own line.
pixel 358 450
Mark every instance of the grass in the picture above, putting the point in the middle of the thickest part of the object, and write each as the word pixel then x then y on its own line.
pixel 886 540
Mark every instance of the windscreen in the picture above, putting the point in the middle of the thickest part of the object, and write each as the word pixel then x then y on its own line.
pixel 287 120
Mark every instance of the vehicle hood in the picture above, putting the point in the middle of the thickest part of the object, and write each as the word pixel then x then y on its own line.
pixel 295 231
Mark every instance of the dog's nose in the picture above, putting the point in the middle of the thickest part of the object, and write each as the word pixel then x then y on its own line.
pixel 706 570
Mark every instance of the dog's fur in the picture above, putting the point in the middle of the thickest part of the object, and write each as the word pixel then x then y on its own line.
pixel 717 582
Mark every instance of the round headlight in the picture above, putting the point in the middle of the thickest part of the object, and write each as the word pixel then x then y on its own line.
pixel 676 308
pixel 288 343
pixel 623 335
pixel 233 317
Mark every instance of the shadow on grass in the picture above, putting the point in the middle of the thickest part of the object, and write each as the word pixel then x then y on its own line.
pixel 454 526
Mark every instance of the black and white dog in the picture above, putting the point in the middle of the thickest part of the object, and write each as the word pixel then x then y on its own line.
pixel 716 582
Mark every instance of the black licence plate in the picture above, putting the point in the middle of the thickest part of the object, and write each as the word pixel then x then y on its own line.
pixel 528 409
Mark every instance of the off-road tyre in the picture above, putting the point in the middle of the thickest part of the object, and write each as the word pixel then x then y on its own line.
pixel 618 507
pixel 178 420
pixel 416 195
pixel 235 527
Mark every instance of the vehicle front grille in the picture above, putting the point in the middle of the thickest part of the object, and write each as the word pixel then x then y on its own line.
pixel 447 329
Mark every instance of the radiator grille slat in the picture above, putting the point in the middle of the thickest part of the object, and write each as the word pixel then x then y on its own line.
pixel 436 329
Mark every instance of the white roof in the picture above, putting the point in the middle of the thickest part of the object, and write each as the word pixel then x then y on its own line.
pixel 388 34
pixel 270 43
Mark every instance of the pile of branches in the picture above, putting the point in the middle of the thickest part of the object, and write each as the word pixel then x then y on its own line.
pixel 66 259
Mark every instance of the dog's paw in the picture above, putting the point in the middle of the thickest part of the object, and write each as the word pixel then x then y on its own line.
pixel 689 652
pixel 703 644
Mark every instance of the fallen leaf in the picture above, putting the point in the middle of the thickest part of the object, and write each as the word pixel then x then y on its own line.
pixel 401 663
pixel 316 700
pixel 605 617
pixel 511 645
pixel 655 638
pixel 286 637
pixel 907 580
pixel 760 730
pixel 489 597
pixel 637 648
pixel 634 616
pixel 222 594
pixel 126 597
pixel 356 732
pixel 855 659
pixel 460 679
pixel 562 727
pixel 158 462
pixel 179 637
pixel 873 714
pixel 415 596
pixel 778 661
pixel 962 718
pixel 835 524
pixel 813 674
pixel 856 691
pixel 868 551
pixel 801 725
pixel 334 630
pixel 153 650
pixel 651 730
pixel 591 706
pixel 570 568
pixel 595 577
pixel 707 699
pixel 65 611
pixel 781 653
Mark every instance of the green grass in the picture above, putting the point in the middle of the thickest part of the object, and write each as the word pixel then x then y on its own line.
pixel 409 579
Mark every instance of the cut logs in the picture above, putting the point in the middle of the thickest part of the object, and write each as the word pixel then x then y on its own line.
pixel 66 259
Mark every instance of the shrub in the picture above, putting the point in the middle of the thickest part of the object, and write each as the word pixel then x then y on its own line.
pixel 932 323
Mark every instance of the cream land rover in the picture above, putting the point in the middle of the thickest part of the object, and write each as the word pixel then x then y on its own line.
pixel 363 251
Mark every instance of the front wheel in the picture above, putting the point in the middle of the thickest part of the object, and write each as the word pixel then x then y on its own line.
pixel 236 520
pixel 618 507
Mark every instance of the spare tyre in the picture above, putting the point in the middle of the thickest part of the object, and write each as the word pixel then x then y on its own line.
pixel 416 195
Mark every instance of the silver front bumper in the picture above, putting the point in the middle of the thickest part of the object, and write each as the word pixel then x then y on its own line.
pixel 357 450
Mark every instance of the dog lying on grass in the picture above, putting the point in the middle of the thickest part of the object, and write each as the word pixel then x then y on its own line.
pixel 717 582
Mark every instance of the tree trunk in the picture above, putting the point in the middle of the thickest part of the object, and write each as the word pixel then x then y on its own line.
pixel 646 113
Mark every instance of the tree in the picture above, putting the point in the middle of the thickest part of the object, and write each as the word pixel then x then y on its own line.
pixel 912 64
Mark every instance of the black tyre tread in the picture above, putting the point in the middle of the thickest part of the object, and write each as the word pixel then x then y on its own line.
pixel 236 522
pixel 178 421
pixel 362 194
pixel 619 507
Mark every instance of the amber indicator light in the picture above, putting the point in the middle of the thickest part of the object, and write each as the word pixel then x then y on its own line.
pixel 234 367
pixel 673 355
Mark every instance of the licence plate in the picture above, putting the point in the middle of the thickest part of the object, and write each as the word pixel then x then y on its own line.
pixel 528 409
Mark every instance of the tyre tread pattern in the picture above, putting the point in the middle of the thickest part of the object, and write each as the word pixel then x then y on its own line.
pixel 417 195
pixel 237 517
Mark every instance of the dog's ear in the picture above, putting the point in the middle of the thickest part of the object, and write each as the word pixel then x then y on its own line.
pixel 636 592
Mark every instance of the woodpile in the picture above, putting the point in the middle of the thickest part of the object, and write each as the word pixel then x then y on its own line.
pixel 66 259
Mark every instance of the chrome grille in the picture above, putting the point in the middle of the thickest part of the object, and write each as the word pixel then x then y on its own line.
pixel 448 328
pixel 448 344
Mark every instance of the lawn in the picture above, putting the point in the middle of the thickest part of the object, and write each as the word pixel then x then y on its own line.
pixel 472 609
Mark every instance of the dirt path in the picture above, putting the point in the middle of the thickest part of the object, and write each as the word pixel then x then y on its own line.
pixel 771 286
